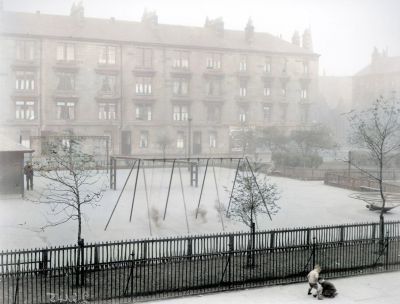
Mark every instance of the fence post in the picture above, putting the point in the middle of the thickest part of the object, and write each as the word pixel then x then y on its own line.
pixel 43 263
pixel 189 248
pixel 96 257
pixel 374 232
pixel 341 234
pixel 231 251
pixel 308 236
pixel 144 252
pixel 387 251
pixel 272 240
pixel 314 250
pixel 80 273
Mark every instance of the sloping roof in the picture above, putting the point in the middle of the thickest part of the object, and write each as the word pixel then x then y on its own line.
pixel 383 65
pixel 7 145
pixel 68 27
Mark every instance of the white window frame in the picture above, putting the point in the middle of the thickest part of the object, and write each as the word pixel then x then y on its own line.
pixel 143 112
pixel 144 139
pixel 212 142
pixel 143 85
pixel 66 109
pixel 65 52
pixel 108 54
pixel 180 140
pixel 180 113
pixel 25 110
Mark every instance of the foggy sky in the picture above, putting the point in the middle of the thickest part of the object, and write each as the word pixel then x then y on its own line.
pixel 344 31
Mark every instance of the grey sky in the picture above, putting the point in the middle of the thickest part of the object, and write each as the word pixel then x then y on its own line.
pixel 344 31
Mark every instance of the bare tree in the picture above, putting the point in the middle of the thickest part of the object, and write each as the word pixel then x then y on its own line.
pixel 163 141
pixel 310 142
pixel 377 129
pixel 72 184
pixel 252 195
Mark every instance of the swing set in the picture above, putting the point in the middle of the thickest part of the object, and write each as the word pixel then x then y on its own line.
pixel 193 165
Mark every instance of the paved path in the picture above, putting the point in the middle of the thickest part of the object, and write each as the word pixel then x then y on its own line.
pixel 371 289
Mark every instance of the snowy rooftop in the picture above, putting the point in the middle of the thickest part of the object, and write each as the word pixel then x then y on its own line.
pixel 7 145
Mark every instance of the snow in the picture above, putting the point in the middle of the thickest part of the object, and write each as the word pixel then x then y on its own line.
pixel 368 289
pixel 303 203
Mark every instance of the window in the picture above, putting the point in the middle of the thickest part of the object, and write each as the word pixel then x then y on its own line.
pixel 66 110
pixel 24 81
pixel 25 50
pixel 180 140
pixel 212 142
pixel 242 115
pixel 107 55
pixel 267 112
pixel 143 85
pixel 180 86
pixel 66 82
pixel 305 68
pixel 144 139
pixel 267 65
pixel 303 94
pixel 25 139
pixel 213 61
pixel 181 60
pixel 213 113
pixel 243 88
pixel 107 111
pixel 284 66
pixel 143 112
pixel 283 114
pixel 65 52
pixel 304 110
pixel 267 90
pixel 180 113
pixel 243 63
pixel 145 59
pixel 283 89
pixel 213 87
pixel 25 110
pixel 108 84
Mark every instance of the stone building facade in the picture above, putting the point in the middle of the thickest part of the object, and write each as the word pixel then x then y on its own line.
pixel 148 85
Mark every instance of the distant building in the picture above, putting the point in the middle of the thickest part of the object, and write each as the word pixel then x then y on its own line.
pixel 141 82
pixel 381 78
pixel 335 100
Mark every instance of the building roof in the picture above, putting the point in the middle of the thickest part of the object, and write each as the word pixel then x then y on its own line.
pixel 7 145
pixel 382 65
pixel 69 27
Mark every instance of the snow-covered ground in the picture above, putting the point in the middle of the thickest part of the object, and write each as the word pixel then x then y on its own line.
pixel 303 203
pixel 368 289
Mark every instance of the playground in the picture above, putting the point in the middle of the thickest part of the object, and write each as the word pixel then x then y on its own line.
pixel 165 204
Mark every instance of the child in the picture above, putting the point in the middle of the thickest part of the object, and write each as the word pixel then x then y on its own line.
pixel 312 277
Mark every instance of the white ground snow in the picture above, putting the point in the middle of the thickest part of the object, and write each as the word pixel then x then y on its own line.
pixel 303 203
pixel 368 289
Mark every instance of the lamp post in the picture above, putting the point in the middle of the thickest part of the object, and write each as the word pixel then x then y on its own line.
pixel 189 136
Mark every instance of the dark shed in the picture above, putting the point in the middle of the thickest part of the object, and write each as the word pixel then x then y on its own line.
pixel 12 167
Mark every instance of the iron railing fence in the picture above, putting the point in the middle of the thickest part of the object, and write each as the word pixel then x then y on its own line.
pixel 154 268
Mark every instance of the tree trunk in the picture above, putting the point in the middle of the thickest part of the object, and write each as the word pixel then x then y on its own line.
pixel 381 216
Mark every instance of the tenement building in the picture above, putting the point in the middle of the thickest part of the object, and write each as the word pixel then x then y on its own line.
pixel 380 79
pixel 150 86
